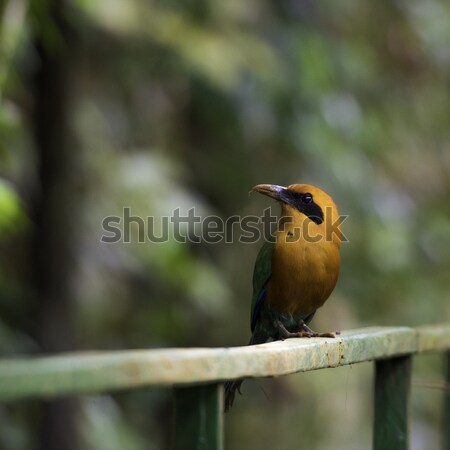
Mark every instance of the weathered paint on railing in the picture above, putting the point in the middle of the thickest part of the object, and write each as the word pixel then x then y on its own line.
pixel 88 372
pixel 434 338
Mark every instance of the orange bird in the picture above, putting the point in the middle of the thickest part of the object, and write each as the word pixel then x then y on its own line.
pixel 296 272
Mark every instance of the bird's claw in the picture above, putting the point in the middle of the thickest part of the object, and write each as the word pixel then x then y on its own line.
pixel 304 334
pixel 305 331
pixel 326 335
pixel 308 332
pixel 313 335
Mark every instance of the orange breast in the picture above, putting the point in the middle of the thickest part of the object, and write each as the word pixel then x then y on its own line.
pixel 303 274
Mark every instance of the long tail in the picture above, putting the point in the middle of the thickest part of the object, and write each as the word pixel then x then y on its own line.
pixel 230 391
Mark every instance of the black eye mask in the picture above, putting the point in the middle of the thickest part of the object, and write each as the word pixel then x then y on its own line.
pixel 305 204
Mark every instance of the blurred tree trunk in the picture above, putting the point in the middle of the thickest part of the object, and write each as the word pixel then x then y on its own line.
pixel 55 206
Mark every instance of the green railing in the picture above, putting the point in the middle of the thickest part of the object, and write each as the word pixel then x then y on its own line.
pixel 197 375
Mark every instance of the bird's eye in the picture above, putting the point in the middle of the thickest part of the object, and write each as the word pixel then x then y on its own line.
pixel 307 198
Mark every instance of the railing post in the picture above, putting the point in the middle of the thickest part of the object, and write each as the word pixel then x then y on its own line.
pixel 199 417
pixel 392 393
pixel 446 437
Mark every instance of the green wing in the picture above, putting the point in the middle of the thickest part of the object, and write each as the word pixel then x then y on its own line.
pixel 261 275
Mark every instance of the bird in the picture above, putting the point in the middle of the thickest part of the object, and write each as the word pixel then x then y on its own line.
pixel 296 271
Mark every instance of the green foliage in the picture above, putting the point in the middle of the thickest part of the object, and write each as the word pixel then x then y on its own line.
pixel 12 216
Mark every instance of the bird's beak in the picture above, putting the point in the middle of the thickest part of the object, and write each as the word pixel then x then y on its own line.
pixel 272 190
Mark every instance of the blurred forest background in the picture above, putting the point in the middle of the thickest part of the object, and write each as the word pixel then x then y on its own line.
pixel 106 104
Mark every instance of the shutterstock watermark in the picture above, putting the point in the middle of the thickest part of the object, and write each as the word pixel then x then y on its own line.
pixel 214 229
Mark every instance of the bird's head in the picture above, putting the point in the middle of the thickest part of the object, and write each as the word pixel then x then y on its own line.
pixel 303 202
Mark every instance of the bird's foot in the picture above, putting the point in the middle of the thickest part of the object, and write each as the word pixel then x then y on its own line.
pixel 308 332
pixel 305 331
pixel 283 332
